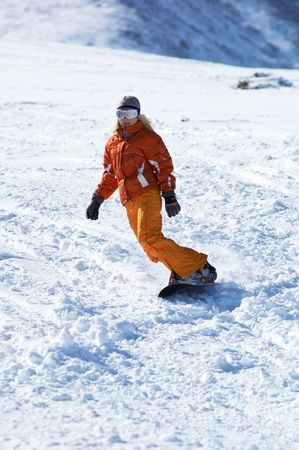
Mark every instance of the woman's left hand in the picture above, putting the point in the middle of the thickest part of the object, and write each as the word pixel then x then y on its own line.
pixel 171 204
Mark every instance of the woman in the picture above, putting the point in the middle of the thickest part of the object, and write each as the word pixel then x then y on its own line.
pixel 137 162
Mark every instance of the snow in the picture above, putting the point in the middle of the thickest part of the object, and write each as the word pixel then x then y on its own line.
pixel 248 33
pixel 90 356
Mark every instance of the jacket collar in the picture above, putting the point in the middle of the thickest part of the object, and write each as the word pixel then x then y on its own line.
pixel 127 132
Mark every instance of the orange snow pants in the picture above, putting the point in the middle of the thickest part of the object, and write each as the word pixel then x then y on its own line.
pixel 144 214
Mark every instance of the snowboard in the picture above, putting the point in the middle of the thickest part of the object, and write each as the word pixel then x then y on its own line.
pixel 194 290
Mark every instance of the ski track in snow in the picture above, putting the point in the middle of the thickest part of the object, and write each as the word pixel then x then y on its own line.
pixel 90 356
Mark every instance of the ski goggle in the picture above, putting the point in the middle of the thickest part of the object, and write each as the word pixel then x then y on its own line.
pixel 128 113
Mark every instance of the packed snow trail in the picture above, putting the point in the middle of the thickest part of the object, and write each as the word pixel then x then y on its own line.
pixel 90 357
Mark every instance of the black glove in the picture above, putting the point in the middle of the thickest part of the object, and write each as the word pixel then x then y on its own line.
pixel 92 211
pixel 171 204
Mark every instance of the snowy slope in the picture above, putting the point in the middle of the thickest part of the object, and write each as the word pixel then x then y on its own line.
pixel 248 32
pixel 90 357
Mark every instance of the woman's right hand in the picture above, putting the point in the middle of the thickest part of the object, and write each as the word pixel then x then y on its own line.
pixel 92 211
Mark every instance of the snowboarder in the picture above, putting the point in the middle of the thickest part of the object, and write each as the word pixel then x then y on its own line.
pixel 137 162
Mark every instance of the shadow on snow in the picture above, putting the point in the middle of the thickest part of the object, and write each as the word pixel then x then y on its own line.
pixel 226 296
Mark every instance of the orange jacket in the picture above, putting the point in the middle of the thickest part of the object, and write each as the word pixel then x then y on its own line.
pixel 135 164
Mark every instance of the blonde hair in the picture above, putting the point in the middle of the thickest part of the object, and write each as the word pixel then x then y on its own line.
pixel 145 120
